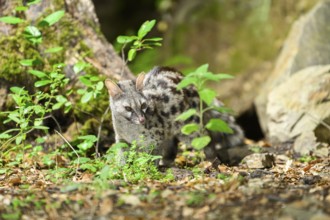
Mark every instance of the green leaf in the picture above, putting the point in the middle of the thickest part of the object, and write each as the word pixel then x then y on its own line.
pixel 154 39
pixel 38 73
pixel 203 68
pixel 42 83
pixel 68 107
pixel 131 54
pixel 40 140
pixel 86 97
pixel 126 39
pixel 57 106
pixel 27 62
pixel 14 117
pixel 189 128
pixel 55 75
pixel 85 145
pixel 39 109
pixel 32 31
pixel 24 124
pixel 11 20
pixel 91 138
pixel 80 66
pixel 89 167
pixel 85 80
pixel 94 78
pixel 54 50
pixel 19 139
pixel 21 8
pixel 186 82
pixel 52 18
pixel 99 86
pixel 37 122
pixel 146 28
pixel 187 114
pixel 222 109
pixel 152 44
pixel 40 127
pixel 5 136
pixel 60 98
pixel 219 125
pixel 200 142
pixel 18 90
pixel 207 95
pixel 32 34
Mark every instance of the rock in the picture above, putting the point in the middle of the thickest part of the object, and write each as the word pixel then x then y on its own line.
pixel 307 45
pixel 322 150
pixel 234 155
pixel 305 143
pixel 259 160
pixel 298 114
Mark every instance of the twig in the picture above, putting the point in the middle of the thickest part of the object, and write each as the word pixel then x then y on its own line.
pixel 66 141
pixel 124 60
pixel 56 122
pixel 99 132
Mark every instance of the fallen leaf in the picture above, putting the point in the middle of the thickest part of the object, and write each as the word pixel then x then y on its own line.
pixel 132 200
pixel 14 180
pixel 106 206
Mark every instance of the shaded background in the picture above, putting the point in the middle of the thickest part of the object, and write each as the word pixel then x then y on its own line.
pixel 239 37
pixel 231 35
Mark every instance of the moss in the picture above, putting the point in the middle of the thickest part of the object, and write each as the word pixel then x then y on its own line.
pixel 15 48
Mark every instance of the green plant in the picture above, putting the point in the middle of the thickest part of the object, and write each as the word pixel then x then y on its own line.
pixel 199 78
pixel 196 198
pixel 32 109
pixel 306 158
pixel 93 84
pixel 139 42
pixel 139 165
pixel 50 92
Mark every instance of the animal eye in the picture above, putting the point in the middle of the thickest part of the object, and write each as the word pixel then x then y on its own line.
pixel 144 106
pixel 129 109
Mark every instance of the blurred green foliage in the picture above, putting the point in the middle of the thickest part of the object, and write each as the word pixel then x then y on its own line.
pixel 232 36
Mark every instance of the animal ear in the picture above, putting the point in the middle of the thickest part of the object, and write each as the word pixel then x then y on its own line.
pixel 113 88
pixel 139 81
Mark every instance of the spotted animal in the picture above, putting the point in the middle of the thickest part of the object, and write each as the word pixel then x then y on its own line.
pixel 147 108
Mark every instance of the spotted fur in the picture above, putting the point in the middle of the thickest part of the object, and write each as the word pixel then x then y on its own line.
pixel 149 106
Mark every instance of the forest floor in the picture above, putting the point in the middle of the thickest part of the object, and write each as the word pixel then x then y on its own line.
pixel 287 189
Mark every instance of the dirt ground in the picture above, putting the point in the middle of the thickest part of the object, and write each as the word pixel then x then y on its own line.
pixel 284 189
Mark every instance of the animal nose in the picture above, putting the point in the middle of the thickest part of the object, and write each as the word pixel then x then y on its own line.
pixel 142 120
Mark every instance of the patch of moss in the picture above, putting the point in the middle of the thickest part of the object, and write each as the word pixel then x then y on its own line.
pixel 15 48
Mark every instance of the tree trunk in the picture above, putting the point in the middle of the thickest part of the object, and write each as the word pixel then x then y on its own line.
pixel 82 15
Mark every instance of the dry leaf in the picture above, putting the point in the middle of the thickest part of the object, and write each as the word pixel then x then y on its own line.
pixel 132 200
pixel 106 206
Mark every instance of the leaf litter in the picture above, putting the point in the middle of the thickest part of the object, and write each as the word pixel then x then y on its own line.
pixel 288 189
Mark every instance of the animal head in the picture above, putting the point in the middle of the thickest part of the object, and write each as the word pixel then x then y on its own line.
pixel 127 100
